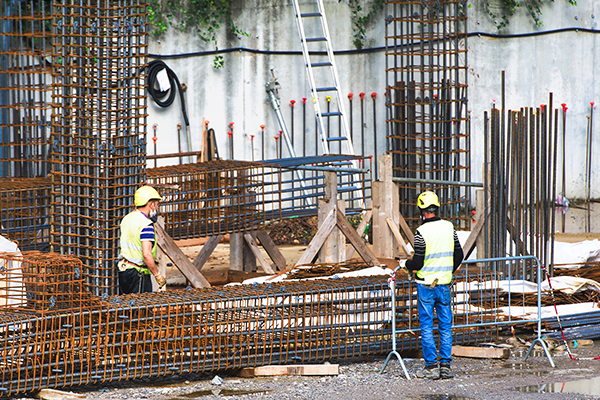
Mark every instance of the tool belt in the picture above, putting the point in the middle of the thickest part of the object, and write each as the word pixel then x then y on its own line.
pixel 124 264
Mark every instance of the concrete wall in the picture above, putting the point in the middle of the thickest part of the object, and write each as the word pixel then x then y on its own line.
pixel 561 63
pixel 237 93
pixel 566 64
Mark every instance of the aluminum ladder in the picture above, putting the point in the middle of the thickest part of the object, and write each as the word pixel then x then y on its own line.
pixel 328 82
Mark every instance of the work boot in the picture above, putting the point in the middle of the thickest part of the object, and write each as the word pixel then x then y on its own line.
pixel 429 372
pixel 446 372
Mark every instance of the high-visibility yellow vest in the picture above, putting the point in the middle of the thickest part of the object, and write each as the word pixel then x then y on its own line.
pixel 131 244
pixel 439 252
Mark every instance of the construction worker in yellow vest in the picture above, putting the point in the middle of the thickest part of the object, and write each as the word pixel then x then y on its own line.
pixel 137 260
pixel 437 255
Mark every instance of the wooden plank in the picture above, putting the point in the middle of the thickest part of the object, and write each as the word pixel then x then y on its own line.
pixel 259 255
pixel 397 235
pixel 472 239
pixel 317 241
pixel 272 250
pixel 300 369
pixel 206 250
pixel 360 231
pixel 356 241
pixel 53 394
pixel 406 230
pixel 180 260
pixel 479 352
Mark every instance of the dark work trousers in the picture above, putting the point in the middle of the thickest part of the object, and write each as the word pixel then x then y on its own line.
pixel 132 281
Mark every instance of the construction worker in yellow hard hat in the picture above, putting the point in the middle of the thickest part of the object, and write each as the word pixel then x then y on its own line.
pixel 137 260
pixel 437 255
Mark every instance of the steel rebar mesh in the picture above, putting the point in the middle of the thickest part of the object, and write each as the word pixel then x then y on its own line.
pixel 99 128
pixel 25 85
pixel 25 212
pixel 202 330
pixel 217 197
pixel 427 102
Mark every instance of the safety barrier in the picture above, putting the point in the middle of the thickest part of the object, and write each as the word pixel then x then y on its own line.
pixel 495 296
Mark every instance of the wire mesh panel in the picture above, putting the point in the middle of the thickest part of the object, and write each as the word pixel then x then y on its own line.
pixel 25 212
pixel 25 85
pixel 427 100
pixel 217 197
pixel 99 128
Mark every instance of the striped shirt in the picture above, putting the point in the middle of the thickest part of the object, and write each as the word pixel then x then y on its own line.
pixel 148 233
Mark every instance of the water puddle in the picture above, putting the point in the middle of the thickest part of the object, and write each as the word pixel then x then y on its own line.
pixel 220 392
pixel 583 386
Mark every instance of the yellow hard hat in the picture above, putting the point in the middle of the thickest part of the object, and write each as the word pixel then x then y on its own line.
pixel 427 199
pixel 144 194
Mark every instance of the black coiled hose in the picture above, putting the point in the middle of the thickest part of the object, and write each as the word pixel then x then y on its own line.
pixel 166 98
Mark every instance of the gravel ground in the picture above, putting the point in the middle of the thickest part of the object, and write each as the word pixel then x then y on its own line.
pixel 360 379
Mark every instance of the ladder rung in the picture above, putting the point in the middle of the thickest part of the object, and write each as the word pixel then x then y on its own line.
pixel 331 114
pixel 336 138
pixel 316 39
pixel 321 64
pixel 326 89
pixel 317 14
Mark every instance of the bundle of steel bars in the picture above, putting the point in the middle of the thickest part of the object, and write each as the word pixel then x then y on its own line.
pixel 25 212
pixel 217 197
pixel 99 128
pixel 25 86
pixel 426 63
pixel 521 150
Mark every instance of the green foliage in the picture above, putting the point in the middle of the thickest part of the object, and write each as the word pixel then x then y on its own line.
pixel 205 17
pixel 510 7
pixel 361 18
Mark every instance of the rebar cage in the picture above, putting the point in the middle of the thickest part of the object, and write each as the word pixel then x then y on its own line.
pixel 80 339
pixel 426 64
pixel 217 197
pixel 99 128
pixel 25 212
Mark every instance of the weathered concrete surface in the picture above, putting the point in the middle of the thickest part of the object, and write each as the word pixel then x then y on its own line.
pixel 565 64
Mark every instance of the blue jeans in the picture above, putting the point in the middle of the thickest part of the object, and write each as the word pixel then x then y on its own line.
pixel 428 299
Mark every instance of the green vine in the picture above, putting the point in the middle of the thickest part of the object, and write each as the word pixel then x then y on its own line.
pixel 204 16
pixel 510 7
pixel 361 18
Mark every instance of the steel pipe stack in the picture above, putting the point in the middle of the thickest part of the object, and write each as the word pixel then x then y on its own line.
pixel 99 128
pixel 426 64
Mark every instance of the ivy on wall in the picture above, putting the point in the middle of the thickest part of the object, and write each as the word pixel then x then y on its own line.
pixel 508 8
pixel 362 15
pixel 206 17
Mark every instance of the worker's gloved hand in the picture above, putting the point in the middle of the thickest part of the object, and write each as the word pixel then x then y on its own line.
pixel 402 265
pixel 161 280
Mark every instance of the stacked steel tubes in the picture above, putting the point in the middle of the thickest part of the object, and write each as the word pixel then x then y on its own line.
pixel 99 128
pixel 521 152
pixel 25 85
pixel 427 101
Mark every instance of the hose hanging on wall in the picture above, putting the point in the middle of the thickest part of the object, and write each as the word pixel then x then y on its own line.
pixel 165 98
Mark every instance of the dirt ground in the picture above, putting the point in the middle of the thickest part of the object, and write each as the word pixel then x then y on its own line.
pixel 358 379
